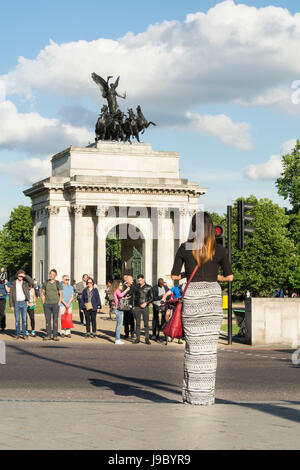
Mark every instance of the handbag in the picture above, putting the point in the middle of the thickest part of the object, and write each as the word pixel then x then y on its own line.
pixel 66 320
pixel 124 304
pixel 174 327
pixel 88 306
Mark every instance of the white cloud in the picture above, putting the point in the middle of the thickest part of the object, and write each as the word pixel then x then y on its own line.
pixel 27 171
pixel 273 167
pixel 265 171
pixel 232 53
pixel 288 146
pixel 36 135
pixel 222 127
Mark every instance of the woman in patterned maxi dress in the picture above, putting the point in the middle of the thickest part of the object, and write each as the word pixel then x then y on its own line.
pixel 202 312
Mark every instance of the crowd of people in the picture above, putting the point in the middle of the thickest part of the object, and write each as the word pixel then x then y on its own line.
pixel 128 300
pixel 202 311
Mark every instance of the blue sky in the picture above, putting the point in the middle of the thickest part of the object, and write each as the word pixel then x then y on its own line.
pixel 217 84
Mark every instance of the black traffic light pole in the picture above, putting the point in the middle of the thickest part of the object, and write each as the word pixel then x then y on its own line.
pixel 243 229
pixel 229 248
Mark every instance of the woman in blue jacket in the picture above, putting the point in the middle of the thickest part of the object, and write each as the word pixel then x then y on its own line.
pixel 90 304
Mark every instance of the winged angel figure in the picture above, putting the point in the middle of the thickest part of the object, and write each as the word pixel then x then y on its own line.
pixel 109 91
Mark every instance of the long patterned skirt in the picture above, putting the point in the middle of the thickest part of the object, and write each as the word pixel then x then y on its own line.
pixel 202 318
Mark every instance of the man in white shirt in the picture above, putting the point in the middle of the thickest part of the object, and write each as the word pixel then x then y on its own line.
pixel 18 298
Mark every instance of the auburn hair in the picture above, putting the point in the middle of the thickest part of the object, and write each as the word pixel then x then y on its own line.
pixel 115 285
pixel 202 237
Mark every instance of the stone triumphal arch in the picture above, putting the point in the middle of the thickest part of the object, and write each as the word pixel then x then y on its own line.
pixel 91 191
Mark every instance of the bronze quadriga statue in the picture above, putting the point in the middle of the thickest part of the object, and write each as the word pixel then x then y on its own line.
pixel 112 123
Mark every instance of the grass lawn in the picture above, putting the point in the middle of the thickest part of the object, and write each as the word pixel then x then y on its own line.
pixel 39 306
pixel 235 329
pixel 39 309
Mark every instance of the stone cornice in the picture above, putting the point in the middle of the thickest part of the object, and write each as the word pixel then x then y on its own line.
pixel 128 189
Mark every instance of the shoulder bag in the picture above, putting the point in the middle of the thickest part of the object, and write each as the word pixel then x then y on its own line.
pixel 174 327
pixel 124 304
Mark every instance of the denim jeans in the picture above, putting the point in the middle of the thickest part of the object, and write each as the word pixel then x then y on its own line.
pixel 21 312
pixel 119 317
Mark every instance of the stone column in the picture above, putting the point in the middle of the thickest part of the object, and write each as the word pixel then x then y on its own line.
pixel 34 217
pixel 101 212
pixel 165 244
pixel 78 269
pixel 186 215
pixel 52 231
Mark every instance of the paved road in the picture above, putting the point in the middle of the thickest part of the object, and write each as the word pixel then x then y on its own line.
pixel 108 372
pixel 118 397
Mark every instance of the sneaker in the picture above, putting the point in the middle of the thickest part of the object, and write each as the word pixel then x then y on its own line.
pixel 118 341
pixel 147 341
pixel 32 333
pixel 180 341
pixel 68 336
pixel 153 337
pixel 93 335
pixel 136 341
pixel 87 335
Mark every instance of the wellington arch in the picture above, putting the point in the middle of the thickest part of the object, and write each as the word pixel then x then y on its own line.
pixel 105 185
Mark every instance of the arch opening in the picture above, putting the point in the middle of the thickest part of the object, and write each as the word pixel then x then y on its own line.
pixel 125 251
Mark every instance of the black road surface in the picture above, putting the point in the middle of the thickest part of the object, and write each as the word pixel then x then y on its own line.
pixel 50 371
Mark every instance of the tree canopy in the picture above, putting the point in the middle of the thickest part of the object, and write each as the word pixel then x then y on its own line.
pixel 16 241
pixel 270 258
pixel 288 183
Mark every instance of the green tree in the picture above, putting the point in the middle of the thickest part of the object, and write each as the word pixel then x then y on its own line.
pixel 16 240
pixel 217 218
pixel 294 228
pixel 288 183
pixel 270 258
pixel 113 257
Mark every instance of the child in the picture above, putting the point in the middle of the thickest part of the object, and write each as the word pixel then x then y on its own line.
pixel 30 309
pixel 175 293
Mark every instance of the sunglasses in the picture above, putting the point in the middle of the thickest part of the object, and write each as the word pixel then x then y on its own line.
pixel 90 282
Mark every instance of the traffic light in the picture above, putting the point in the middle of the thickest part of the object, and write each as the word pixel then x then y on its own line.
pixel 220 234
pixel 243 229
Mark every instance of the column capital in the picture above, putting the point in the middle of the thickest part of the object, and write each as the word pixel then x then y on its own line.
pixel 52 210
pixel 77 209
pixel 183 211
pixel 101 211
pixel 161 211
pixel 191 212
